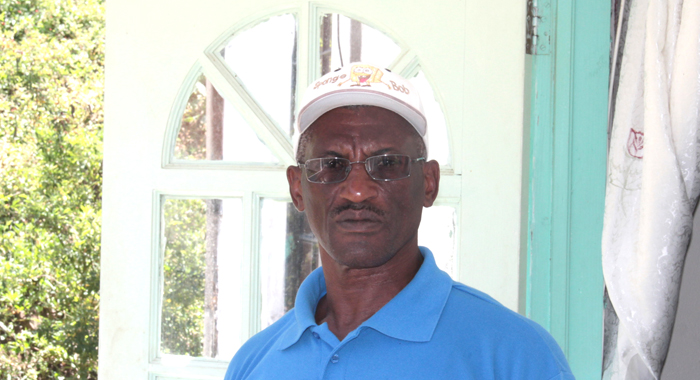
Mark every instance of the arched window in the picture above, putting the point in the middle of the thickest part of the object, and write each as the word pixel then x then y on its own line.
pixel 228 264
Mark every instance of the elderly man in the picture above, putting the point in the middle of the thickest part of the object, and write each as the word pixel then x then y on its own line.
pixel 379 308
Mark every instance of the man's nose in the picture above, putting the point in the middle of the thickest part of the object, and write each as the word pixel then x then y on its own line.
pixel 359 186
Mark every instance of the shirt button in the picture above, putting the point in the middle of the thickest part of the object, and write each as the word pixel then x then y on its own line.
pixel 335 358
pixel 316 335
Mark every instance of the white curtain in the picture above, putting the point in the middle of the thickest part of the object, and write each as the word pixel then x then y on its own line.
pixel 653 182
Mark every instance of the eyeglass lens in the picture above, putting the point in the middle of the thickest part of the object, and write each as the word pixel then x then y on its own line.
pixel 334 169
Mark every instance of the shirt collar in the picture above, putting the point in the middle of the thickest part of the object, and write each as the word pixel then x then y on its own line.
pixel 308 295
pixel 412 315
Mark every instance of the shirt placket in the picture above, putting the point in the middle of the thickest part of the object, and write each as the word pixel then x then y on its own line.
pixel 335 363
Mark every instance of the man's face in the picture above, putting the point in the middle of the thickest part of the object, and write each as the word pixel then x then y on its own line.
pixel 360 222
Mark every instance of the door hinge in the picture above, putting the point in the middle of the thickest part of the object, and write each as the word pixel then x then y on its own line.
pixel 537 33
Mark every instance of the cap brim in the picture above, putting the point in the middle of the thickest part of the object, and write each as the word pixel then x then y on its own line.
pixel 342 98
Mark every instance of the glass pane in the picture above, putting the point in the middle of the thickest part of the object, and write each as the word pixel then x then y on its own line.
pixel 437 232
pixel 438 146
pixel 264 59
pixel 345 40
pixel 201 313
pixel 288 253
pixel 212 129
pixel 190 144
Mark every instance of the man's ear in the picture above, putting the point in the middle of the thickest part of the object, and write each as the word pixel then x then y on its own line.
pixel 431 182
pixel 294 178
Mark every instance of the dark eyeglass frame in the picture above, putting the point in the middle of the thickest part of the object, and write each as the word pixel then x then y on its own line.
pixel 366 162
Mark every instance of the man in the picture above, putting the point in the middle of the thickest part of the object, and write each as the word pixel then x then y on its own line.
pixel 379 308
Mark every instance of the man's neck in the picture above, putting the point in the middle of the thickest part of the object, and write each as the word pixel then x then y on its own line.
pixel 354 295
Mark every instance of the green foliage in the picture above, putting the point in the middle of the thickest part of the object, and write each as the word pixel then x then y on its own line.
pixel 183 277
pixel 51 91
pixel 191 139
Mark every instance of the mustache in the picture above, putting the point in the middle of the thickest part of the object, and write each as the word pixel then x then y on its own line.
pixel 357 207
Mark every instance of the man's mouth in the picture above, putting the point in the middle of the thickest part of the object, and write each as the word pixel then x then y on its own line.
pixel 358 218
pixel 359 225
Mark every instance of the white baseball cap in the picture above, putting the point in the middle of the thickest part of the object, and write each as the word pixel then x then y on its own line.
pixel 359 84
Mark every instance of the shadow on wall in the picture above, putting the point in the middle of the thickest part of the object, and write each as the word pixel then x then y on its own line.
pixel 683 361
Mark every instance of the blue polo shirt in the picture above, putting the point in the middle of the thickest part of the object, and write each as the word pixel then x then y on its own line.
pixel 435 328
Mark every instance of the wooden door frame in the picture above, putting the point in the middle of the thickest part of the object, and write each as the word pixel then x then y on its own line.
pixel 566 96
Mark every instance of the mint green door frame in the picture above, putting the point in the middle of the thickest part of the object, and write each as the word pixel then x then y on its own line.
pixel 567 169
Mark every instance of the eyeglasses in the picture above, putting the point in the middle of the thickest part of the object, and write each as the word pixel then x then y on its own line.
pixel 387 167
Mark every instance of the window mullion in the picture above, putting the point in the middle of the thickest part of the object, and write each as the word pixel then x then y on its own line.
pixel 406 64
pixel 251 294
pixel 308 33
pixel 231 89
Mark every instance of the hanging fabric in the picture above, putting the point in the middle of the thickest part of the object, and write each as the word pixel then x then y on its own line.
pixel 653 183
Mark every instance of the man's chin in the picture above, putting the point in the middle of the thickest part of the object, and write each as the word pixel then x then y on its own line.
pixel 360 255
